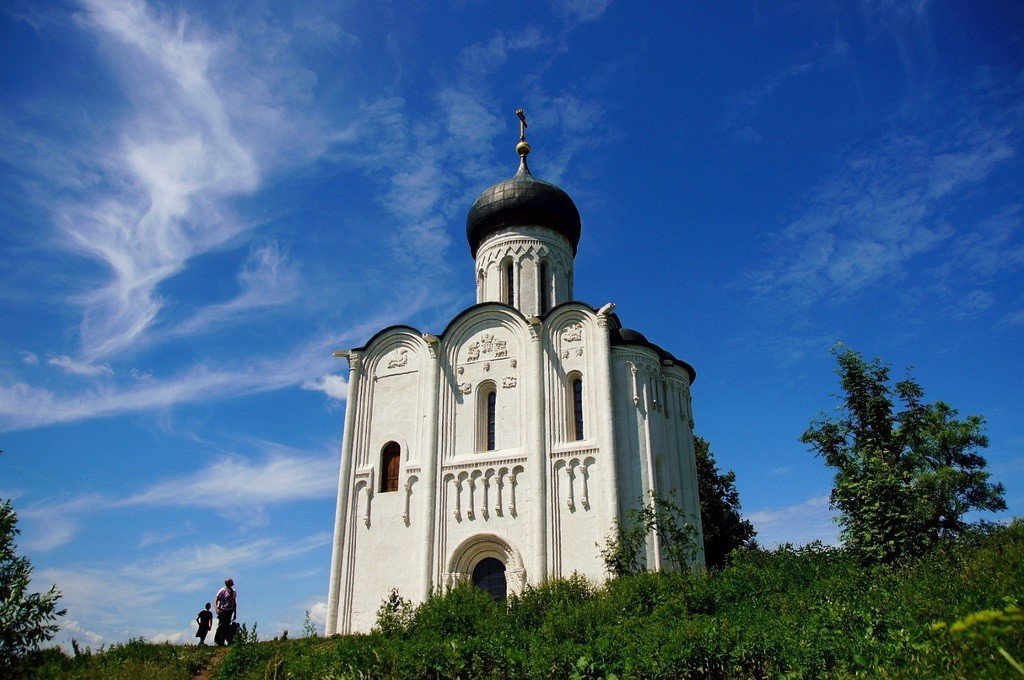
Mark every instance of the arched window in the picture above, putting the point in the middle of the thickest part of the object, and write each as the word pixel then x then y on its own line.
pixel 510 284
pixel 492 403
pixel 542 283
pixel 576 385
pixel 390 462
pixel 489 576
pixel 487 405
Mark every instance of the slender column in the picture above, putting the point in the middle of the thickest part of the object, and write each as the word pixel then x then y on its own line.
pixel 651 489
pixel 430 463
pixel 604 415
pixel 345 474
pixel 539 508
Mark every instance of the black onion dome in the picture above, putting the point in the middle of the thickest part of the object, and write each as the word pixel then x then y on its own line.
pixel 521 201
pixel 628 336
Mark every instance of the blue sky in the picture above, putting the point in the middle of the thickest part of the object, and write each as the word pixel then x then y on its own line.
pixel 200 202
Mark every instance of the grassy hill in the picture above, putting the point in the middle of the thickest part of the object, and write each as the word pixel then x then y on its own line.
pixel 808 612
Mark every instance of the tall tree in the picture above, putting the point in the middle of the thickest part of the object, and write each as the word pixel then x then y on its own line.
pixel 724 527
pixel 26 619
pixel 903 479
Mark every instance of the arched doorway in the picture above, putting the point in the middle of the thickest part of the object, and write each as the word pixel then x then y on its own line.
pixel 486 555
pixel 489 576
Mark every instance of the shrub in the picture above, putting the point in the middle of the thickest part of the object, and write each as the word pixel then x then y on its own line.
pixel 810 612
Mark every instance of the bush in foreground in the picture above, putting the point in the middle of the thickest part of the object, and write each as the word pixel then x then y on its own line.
pixel 791 612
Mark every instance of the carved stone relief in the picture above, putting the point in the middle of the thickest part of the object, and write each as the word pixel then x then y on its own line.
pixel 401 359
pixel 573 333
pixel 487 346
pixel 482 486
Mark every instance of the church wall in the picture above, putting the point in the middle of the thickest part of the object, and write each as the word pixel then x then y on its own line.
pixel 631 420
pixel 654 435
pixel 488 357
pixel 384 527
pixel 381 557
pixel 578 505
pixel 485 491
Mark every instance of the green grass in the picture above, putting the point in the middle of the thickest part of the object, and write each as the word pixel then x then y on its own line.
pixel 133 660
pixel 810 612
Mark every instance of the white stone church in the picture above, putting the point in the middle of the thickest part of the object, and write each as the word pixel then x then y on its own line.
pixel 500 450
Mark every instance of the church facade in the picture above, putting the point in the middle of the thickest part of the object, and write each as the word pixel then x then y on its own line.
pixel 502 450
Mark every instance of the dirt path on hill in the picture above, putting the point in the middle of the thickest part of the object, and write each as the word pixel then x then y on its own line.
pixel 212 664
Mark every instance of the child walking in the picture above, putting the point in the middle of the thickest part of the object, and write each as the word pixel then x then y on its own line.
pixel 205 620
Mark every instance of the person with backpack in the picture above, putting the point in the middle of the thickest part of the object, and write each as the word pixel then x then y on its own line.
pixel 205 620
pixel 226 612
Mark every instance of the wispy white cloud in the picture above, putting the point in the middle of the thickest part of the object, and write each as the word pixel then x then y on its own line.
pixel 430 173
pixel 29 359
pixel 178 160
pixel 79 368
pixel 325 30
pixel 206 118
pixel 118 595
pixel 172 638
pixel 892 201
pixel 236 482
pixel 281 475
pixel 333 385
pixel 1013 318
pixel 47 526
pixel 267 279
pixel 318 613
pixel 25 406
pixel 799 524
pixel 73 629
pixel 156 537
pixel 582 11
pixel 742 111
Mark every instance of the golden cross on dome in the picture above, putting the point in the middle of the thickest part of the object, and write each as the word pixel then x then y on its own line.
pixel 522 124
pixel 523 147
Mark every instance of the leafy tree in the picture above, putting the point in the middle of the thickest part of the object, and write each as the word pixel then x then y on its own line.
pixel 904 479
pixel 724 528
pixel 661 516
pixel 26 619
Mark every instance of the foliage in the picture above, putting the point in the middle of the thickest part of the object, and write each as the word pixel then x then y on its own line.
pixel 621 550
pixel 395 614
pixel 904 479
pixel 993 627
pixel 308 627
pixel 130 660
pixel 810 612
pixel 662 519
pixel 723 527
pixel 246 636
pixel 26 619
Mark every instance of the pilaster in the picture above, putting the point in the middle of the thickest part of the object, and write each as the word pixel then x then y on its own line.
pixel 431 463
pixel 345 474
pixel 540 512
pixel 605 412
